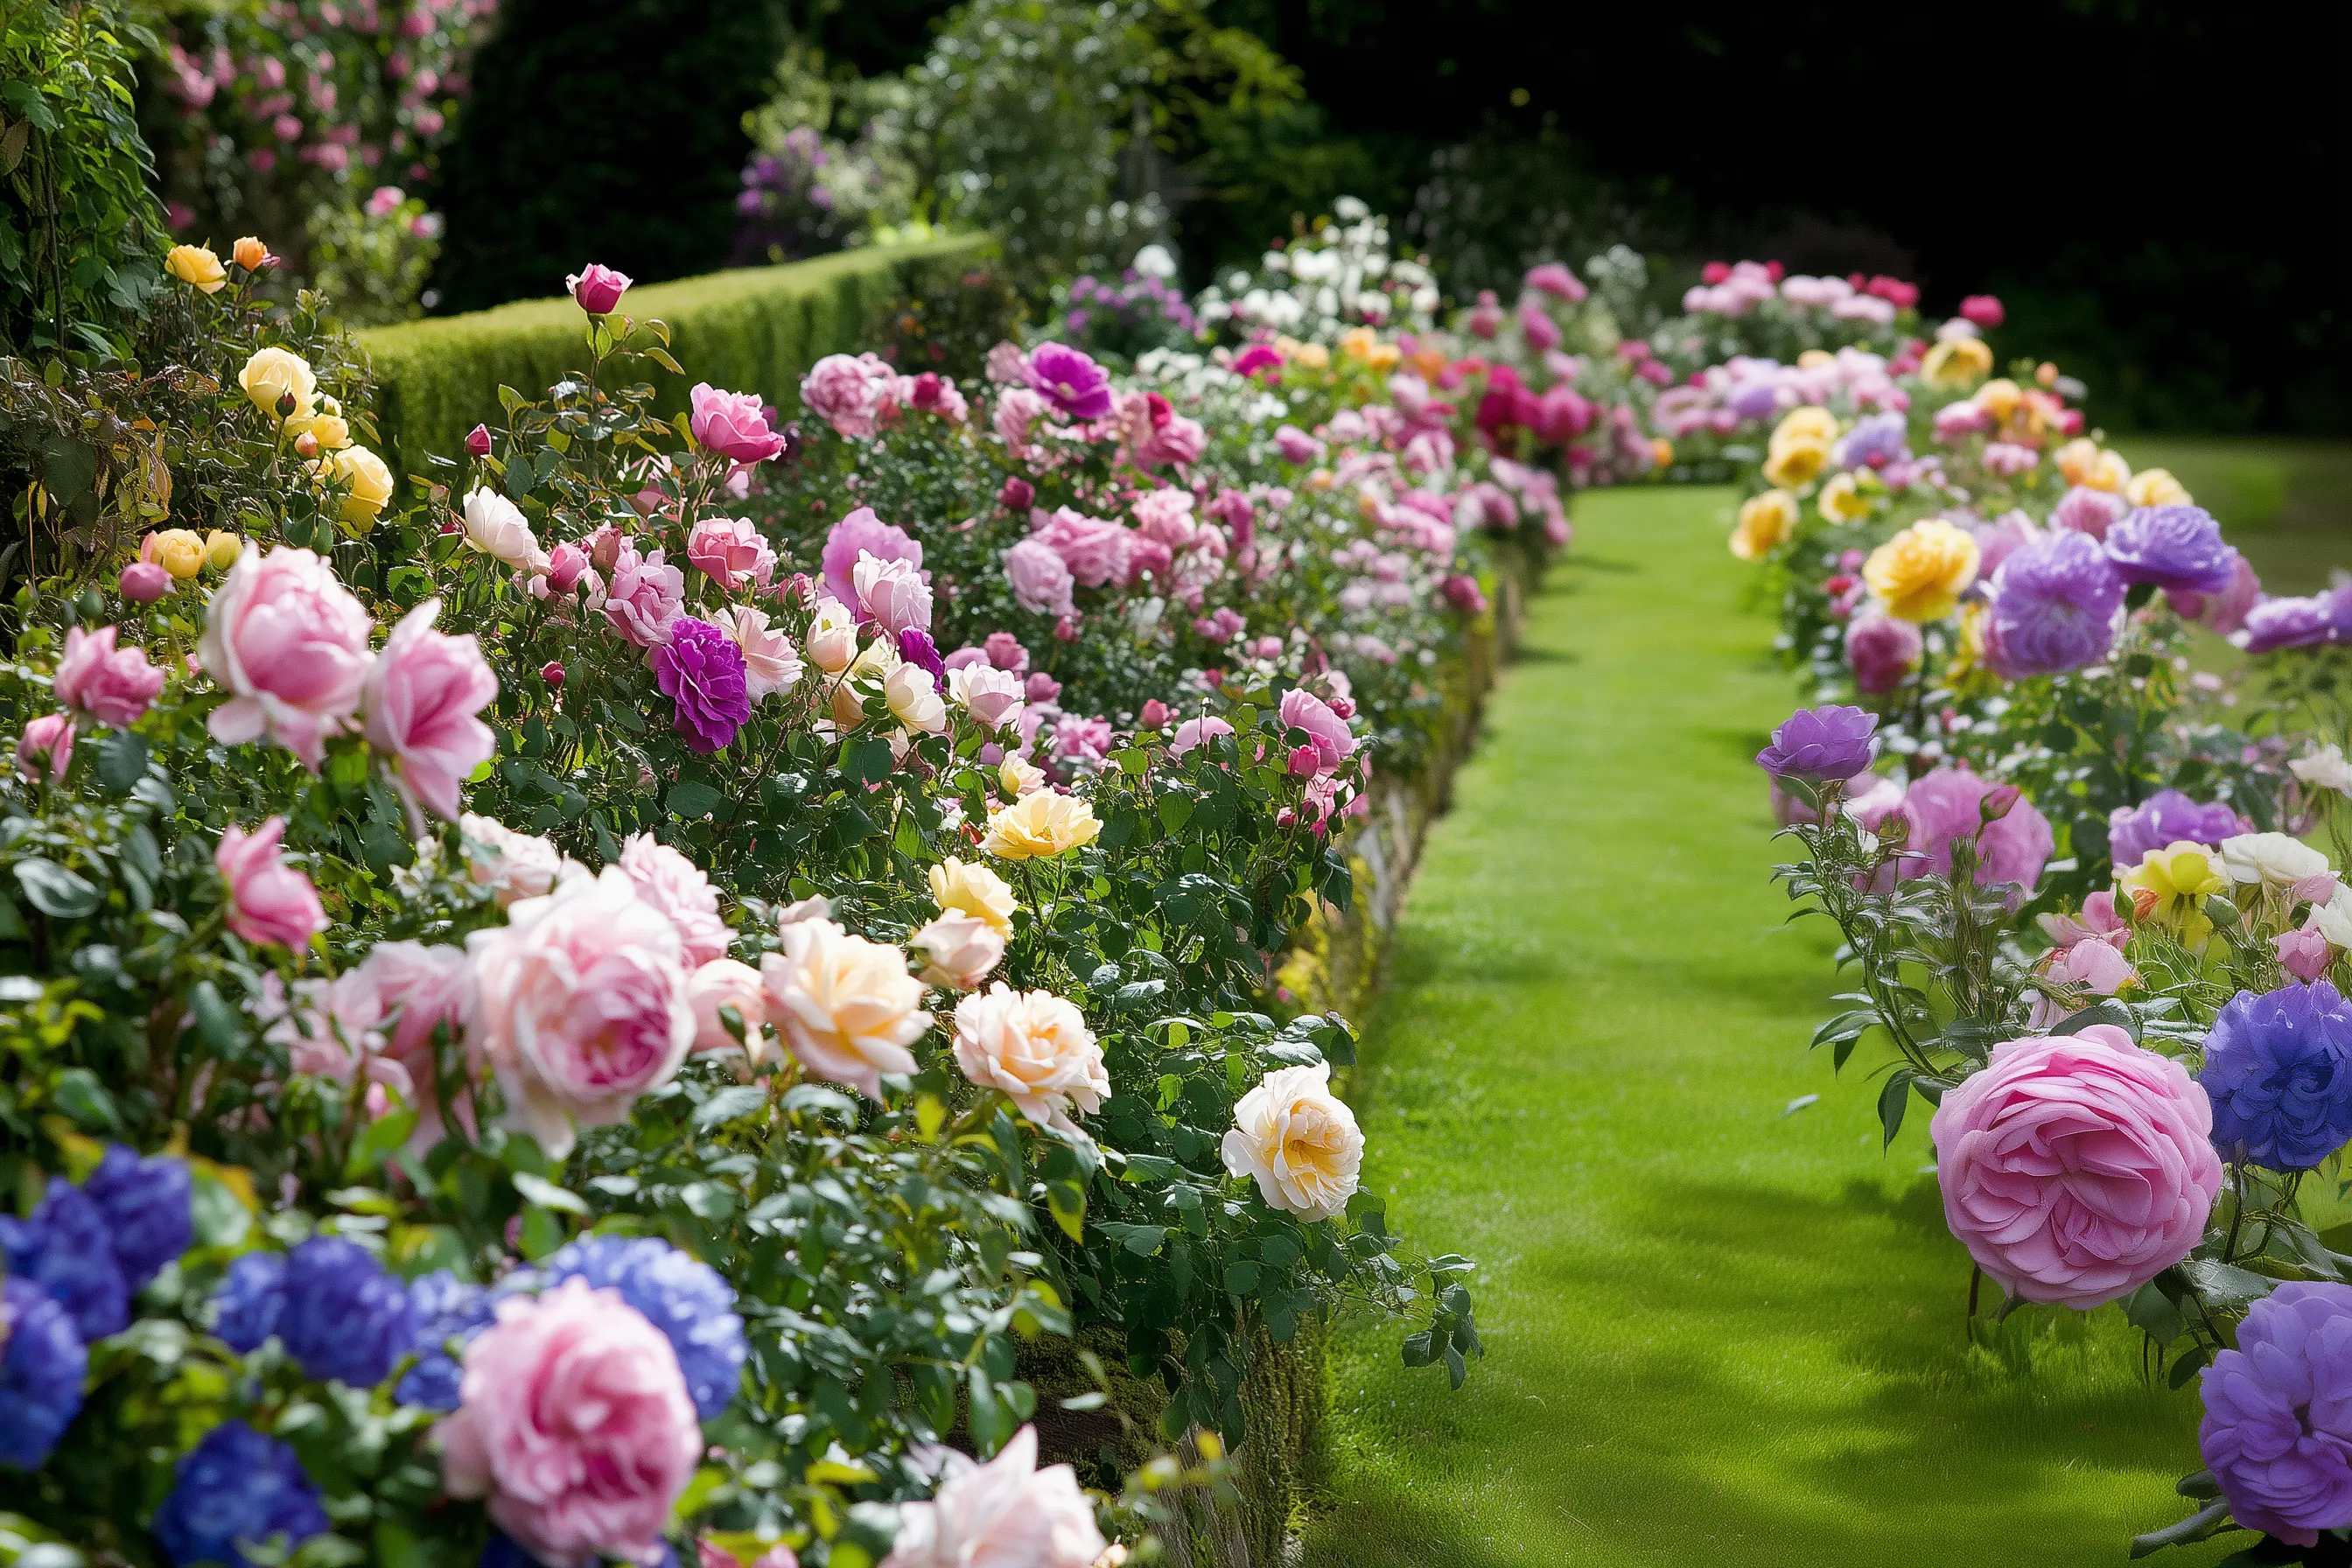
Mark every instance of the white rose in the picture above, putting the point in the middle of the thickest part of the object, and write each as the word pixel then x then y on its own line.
pixel 2271 858
pixel 1006 1513
pixel 958 950
pixel 914 700
pixel 1298 1141
pixel 845 1006
pixel 2324 769
pixel 1035 1048
pixel 832 636
pixel 2333 920
pixel 1019 777
pixel 994 698
pixel 495 526
pixel 771 665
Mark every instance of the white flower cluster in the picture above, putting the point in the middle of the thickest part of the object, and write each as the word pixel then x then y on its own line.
pixel 1340 276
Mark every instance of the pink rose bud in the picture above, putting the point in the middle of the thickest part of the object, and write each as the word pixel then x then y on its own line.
pixel 1984 310
pixel 648 500
pixel 598 289
pixel 2303 953
pixel 144 582
pixel 49 740
pixel 1017 494
pixel 1341 707
pixel 111 685
pixel 1043 687
pixel 551 672
pixel 564 565
pixel 1306 762
pixel 1285 818
pixel 269 902
pixel 1997 802
pixel 2319 887
pixel 1154 715
pixel 1067 629
pixel 477 441
pixel 306 445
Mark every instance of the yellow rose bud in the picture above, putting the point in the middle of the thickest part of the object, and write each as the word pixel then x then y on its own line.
pixel 1956 362
pixel 369 480
pixel 1921 572
pixel 2082 462
pixel 2156 486
pixel 272 375
pixel 1016 777
pixel 222 549
pixel 973 890
pixel 176 550
pixel 1999 398
pixel 197 268
pixel 1765 521
pixel 1661 452
pixel 1842 500
pixel 1796 462
pixel 250 254
pixel 1040 827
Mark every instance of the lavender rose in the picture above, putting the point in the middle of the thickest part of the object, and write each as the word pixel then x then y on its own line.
pixel 2054 607
pixel 2278 1432
pixel 1822 744
pixel 2172 547
pixel 2167 817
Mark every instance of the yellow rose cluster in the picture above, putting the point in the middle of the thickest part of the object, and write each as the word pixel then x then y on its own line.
pixel 1765 523
pixel 284 387
pixel 183 552
pixel 1799 448
pixel 1921 572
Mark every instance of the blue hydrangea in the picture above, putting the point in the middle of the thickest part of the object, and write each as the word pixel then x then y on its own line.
pixel 43 1364
pixel 250 1300
pixel 345 1319
pixel 678 1294
pixel 445 1308
pixel 67 1249
pixel 234 1489
pixel 2278 1069
pixel 149 1204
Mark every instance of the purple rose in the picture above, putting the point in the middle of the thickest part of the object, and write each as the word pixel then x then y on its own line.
pixel 916 646
pixel 1070 381
pixel 2166 818
pixel 2278 1067
pixel 2172 547
pixel 1823 744
pixel 2276 623
pixel 2087 511
pixel 861 530
pixel 1882 650
pixel 1949 804
pixel 2053 607
pixel 1873 442
pixel 2278 1432
pixel 701 669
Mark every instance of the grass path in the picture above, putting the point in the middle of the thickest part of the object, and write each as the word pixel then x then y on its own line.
pixel 1718 1332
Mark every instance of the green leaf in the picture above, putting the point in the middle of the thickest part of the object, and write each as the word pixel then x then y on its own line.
pixel 867 760
pixel 1894 1098
pixel 731 1103
pixel 1241 1278
pixel 217 1021
pixel 374 1147
pixel 1143 1240
pixel 55 891
pixel 546 1194
pixel 121 760
pixel 83 1097
pixel 689 802
pixel 1067 1202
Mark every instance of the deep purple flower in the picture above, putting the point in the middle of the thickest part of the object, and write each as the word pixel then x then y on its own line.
pixel 149 1203
pixel 345 1318
pixel 1875 441
pixel 1071 381
pixel 2277 622
pixel 2054 607
pixel 236 1488
pixel 42 1364
pixel 445 1308
pixel 2278 1432
pixel 916 646
pixel 2166 818
pixel 67 1249
pixel 2278 1067
pixel 1822 744
pixel 862 530
pixel 701 669
pixel 2172 547
pixel 678 1293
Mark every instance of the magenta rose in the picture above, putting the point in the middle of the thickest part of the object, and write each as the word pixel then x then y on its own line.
pixel 597 289
pixel 112 685
pixel 423 698
pixel 2076 1168
pixel 731 424
pixel 574 1424
pixel 1070 381
pixel 268 900
pixel 290 645
pixel 1881 651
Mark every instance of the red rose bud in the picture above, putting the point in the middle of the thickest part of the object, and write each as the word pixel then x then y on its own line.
pixel 927 391
pixel 1016 495
pixel 477 441
pixel 551 672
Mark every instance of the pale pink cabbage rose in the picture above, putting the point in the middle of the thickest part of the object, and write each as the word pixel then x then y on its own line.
pixel 268 900
pixel 1041 580
pixel 891 593
pixel 1192 732
pixel 676 885
pixel 1006 1513
pixel 47 745
pixel 728 982
pixel 845 1006
pixel 583 1005
pixel 1018 409
pixel 290 645
pixel 1035 1048
pixel 2076 1168
pixel 646 594
pixel 421 989
pixel 574 1426
pixel 958 950
pixel 424 697
pixel 512 864
pixel 1098 552
pixel 847 391
pixel 112 685
pixel 772 665
pixel 731 424
pixel 731 551
pixel 992 697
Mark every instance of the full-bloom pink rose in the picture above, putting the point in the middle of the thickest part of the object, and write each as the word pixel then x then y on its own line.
pixel 676 887
pixel 1192 732
pixel 731 551
pixel 1554 279
pixel 583 1005
pixel 992 697
pixel 771 661
pixel 1096 553
pixel 424 695
pixel 892 594
pixel 112 685
pixel 2076 1168
pixel 268 900
pixel 1006 1513
pixel 846 392
pixel 647 594
pixel 731 424
pixel 421 988
pixel 1018 409
pixel 47 743
pixel 1296 446
pixel 1948 804
pixel 290 645
pixel 574 1424
pixel 1328 734
pixel 1041 580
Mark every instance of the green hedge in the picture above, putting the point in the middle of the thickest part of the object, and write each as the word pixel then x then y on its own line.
pixel 755 329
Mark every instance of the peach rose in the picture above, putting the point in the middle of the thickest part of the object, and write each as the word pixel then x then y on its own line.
pixel 1035 1048
pixel 845 1006
pixel 1298 1141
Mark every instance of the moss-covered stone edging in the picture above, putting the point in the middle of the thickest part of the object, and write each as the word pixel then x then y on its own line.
pixel 755 328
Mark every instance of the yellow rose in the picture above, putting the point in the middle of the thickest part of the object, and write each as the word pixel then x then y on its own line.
pixel 1764 521
pixel 222 549
pixel 1796 462
pixel 1999 398
pixel 1040 827
pixel 2082 462
pixel 370 482
pixel 1815 358
pixel 2155 487
pixel 1016 777
pixel 1384 357
pixel 1956 362
pixel 250 254
pixel 176 550
pixel 331 431
pixel 1810 423
pixel 1842 500
pixel 2170 887
pixel 973 890
pixel 1969 655
pixel 1921 572
pixel 272 375
pixel 197 268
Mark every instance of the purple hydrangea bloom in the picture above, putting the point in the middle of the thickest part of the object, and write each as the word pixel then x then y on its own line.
pixel 149 1203
pixel 1071 381
pixel 678 1294
pixel 2054 607
pixel 861 530
pixel 251 1301
pixel 2278 1432
pixel 2172 547
pixel 345 1319
pixel 1875 442
pixel 234 1489
pixel 916 646
pixel 1825 744
pixel 2278 1067
pixel 42 1364
pixel 2168 816
pixel 445 1308
pixel 68 1249
pixel 701 670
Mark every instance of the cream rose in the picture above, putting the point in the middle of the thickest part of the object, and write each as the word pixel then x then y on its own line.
pixel 272 375
pixel 973 890
pixel 2324 769
pixel 845 1006
pixel 513 865
pixel 495 526
pixel 832 636
pixel 1040 827
pixel 772 666
pixel 958 950
pixel 1298 1141
pixel 914 700
pixel 1035 1048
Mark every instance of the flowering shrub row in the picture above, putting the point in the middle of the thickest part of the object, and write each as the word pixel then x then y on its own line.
pixel 2064 844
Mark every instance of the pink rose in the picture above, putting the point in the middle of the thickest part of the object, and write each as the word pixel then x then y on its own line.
pixel 731 551
pixel 1018 409
pixel 676 885
pixel 2076 1168
pixel 111 685
pixel 647 594
pixel 771 662
pixel 1006 1513
pixel 290 644
pixel 47 740
pixel 477 441
pixel 423 698
pixel 421 989
pixel 847 391
pixel 2304 952
pixel 1326 731
pixel 1948 804
pixel 727 982
pixel 268 900
pixel 2098 920
pixel 143 583
pixel 1540 330
pixel 2096 965
pixel 992 697
pixel 1554 279
pixel 583 1005
pixel 566 564
pixel 597 289
pixel 1041 580
pixel 1096 553
pixel 574 1423
pixel 1882 651
pixel 1296 446
pixel 2224 612
pixel 1192 732
pixel 731 424
pixel 892 594
pixel 861 533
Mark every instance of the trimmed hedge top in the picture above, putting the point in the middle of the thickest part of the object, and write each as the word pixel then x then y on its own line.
pixel 757 328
